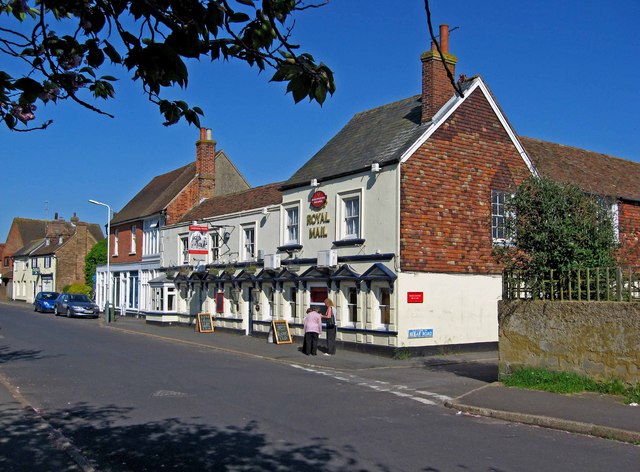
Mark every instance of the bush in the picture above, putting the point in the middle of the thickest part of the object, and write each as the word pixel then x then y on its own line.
pixel 77 288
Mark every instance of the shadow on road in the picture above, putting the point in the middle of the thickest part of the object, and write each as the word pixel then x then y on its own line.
pixel 482 371
pixel 172 444
pixel 7 355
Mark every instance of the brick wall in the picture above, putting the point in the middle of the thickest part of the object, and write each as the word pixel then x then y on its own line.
pixel 629 221
pixel 185 200
pixel 125 253
pixel 70 257
pixel 445 210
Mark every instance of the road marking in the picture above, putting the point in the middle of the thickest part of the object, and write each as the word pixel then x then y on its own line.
pixel 380 386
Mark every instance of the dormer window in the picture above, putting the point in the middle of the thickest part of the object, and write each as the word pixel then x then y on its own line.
pixel 60 239
pixel 47 241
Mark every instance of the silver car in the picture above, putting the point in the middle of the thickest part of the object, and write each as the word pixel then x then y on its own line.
pixel 75 304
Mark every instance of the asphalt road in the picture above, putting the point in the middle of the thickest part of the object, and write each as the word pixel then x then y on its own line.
pixel 134 403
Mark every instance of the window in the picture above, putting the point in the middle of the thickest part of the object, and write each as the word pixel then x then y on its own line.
pixel 185 249
pixel 352 304
pixel 384 299
pixel 270 295
pixel 351 218
pixel 34 262
pixel 248 243
pixel 6 261
pixel 499 215
pixel 215 247
pixel 293 297
pixel 47 262
pixel 292 226
pixel 133 290
pixel 150 237
pixel 116 240
pixel 132 250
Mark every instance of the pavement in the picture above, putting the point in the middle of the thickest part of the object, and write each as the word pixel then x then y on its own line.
pixel 476 391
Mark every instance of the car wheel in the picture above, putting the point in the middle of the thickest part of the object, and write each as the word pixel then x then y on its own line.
pixel 35 307
pixel 55 310
pixel 68 312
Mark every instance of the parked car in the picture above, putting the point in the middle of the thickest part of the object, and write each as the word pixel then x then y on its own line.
pixel 75 304
pixel 45 301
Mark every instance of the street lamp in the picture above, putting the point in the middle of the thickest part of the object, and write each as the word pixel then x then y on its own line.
pixel 107 316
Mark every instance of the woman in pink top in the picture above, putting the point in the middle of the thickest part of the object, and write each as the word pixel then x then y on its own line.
pixel 312 330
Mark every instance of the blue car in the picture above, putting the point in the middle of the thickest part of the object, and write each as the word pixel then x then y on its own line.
pixel 45 301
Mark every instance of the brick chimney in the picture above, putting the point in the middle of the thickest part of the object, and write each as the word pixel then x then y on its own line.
pixel 205 165
pixel 436 86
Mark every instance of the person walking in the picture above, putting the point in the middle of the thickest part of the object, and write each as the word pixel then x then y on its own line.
pixel 312 330
pixel 329 319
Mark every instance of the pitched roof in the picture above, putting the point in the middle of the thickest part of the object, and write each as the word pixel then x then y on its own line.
pixel 381 135
pixel 378 135
pixel 256 197
pixel 28 248
pixel 593 172
pixel 157 194
pixel 30 229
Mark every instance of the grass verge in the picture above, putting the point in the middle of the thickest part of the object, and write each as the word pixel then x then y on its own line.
pixel 568 382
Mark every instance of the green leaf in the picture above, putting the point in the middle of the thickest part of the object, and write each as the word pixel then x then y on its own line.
pixel 246 2
pixel 239 17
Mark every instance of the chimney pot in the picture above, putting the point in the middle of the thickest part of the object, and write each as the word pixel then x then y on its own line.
pixel 444 38
pixel 203 134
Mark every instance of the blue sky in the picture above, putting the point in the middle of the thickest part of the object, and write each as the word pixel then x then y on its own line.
pixel 562 71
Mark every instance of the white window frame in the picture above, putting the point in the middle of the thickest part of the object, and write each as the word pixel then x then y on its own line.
pixel 246 254
pixel 499 215
pixel 116 241
pixel 341 217
pixel 132 249
pixel 216 240
pixel 377 295
pixel 346 311
pixel 183 249
pixel 289 227
pixel 47 262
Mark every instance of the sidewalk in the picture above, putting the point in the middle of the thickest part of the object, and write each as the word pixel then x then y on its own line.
pixel 597 415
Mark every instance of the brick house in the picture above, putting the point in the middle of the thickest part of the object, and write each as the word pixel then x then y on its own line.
pixel 54 261
pixel 395 219
pixel 135 230
pixel 22 232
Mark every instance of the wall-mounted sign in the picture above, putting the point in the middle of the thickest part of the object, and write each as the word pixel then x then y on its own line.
pixel 415 297
pixel 318 199
pixel 420 333
pixel 198 239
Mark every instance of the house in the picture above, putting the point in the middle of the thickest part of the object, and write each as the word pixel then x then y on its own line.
pixel 395 219
pixel 135 230
pixel 22 232
pixel 55 260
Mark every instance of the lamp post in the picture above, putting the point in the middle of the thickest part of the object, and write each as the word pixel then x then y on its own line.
pixel 107 313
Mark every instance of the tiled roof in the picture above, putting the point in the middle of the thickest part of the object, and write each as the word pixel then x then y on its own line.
pixel 256 197
pixel 30 229
pixel 96 231
pixel 379 135
pixel 157 194
pixel 28 248
pixel 593 172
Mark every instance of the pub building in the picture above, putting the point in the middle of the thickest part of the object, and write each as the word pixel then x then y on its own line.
pixel 394 219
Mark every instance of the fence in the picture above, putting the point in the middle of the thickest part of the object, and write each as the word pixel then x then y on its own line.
pixel 613 284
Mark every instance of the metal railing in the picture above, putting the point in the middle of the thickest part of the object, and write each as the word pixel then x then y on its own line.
pixel 612 284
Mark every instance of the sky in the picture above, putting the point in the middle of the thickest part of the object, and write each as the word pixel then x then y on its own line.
pixel 561 71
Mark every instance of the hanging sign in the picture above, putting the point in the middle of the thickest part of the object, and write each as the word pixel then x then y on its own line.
pixel 198 239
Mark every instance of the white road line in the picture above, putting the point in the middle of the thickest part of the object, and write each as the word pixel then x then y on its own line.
pixel 380 386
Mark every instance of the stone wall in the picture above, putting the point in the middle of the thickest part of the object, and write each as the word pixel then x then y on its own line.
pixel 597 339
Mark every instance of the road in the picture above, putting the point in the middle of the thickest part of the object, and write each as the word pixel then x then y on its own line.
pixel 128 402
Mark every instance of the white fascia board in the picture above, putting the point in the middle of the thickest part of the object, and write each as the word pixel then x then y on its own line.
pixel 452 105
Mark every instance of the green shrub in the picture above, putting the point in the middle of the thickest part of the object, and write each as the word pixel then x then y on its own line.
pixel 77 288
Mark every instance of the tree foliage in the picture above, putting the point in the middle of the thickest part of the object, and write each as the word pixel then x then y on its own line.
pixel 95 257
pixel 556 226
pixel 54 50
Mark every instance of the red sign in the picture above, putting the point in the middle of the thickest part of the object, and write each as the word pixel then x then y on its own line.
pixel 415 297
pixel 319 199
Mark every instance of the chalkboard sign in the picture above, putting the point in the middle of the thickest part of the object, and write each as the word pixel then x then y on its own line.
pixel 281 331
pixel 205 323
